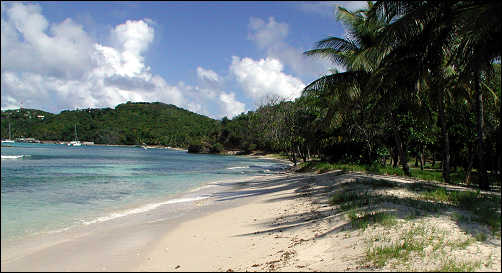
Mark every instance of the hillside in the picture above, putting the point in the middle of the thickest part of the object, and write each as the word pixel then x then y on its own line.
pixel 129 123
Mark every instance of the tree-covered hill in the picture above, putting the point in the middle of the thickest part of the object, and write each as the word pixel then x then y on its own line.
pixel 130 123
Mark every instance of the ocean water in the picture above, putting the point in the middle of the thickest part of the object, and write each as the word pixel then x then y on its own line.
pixel 52 187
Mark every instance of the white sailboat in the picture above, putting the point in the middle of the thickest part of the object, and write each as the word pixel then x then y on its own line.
pixel 7 141
pixel 76 142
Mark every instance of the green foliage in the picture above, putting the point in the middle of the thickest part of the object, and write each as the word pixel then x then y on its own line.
pixel 481 237
pixel 455 266
pixel 195 147
pixel 216 148
pixel 485 208
pixel 129 123
pixel 362 222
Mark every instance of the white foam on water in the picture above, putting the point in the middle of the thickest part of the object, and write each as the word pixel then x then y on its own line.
pixel 232 168
pixel 13 156
pixel 142 209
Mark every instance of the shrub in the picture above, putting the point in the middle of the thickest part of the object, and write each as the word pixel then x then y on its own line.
pixel 216 148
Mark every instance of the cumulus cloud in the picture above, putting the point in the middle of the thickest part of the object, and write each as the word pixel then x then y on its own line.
pixel 328 8
pixel 265 77
pixel 210 89
pixel 231 106
pixel 57 66
pixel 271 37
pixel 27 46
pixel 208 76
pixel 267 35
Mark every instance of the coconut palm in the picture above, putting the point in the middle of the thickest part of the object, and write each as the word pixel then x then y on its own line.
pixel 462 34
pixel 358 89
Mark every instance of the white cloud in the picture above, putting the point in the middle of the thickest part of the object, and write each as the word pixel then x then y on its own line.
pixel 215 99
pixel 231 106
pixel 208 75
pixel 267 34
pixel 264 77
pixel 26 45
pixel 57 66
pixel 328 8
pixel 271 37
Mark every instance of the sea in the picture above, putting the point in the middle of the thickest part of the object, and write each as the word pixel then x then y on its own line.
pixel 47 188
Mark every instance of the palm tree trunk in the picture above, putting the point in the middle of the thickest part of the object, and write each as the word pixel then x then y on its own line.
pixel 483 178
pixel 422 157
pixel 402 153
pixel 446 142
pixel 394 157
pixel 499 151
pixel 468 170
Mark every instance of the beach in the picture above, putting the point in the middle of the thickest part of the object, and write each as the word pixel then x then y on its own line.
pixel 282 222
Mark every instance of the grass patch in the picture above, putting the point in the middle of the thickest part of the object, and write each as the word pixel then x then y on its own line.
pixel 414 214
pixel 362 222
pixel 484 207
pixel 451 265
pixel 481 237
pixel 462 218
pixel 355 200
pixel 417 242
pixel 457 177
pixel 341 197
pixel 399 250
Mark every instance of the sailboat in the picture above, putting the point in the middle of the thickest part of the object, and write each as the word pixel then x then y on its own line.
pixel 7 141
pixel 76 142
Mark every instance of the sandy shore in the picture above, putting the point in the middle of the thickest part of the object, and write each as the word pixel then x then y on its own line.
pixel 275 223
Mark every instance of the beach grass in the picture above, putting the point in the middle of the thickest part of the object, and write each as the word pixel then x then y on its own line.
pixel 457 176
pixel 412 236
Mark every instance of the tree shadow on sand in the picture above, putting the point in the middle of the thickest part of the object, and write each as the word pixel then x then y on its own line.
pixel 376 199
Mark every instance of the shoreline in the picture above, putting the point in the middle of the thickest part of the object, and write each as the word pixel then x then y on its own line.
pixel 43 250
pixel 270 156
pixel 270 223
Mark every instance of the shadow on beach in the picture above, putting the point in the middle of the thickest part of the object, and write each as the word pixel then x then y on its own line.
pixel 403 198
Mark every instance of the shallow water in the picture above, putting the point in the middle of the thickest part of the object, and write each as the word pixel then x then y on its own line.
pixel 50 187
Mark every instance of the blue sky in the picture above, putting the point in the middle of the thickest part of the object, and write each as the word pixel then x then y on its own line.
pixel 214 58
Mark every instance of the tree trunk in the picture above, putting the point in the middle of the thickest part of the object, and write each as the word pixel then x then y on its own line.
pixel 446 142
pixel 483 179
pixel 402 153
pixel 395 157
pixel 302 154
pixel 422 158
pixel 499 144
pixel 294 157
pixel 468 170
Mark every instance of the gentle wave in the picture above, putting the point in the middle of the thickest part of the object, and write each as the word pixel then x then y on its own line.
pixel 142 209
pixel 13 156
pixel 232 168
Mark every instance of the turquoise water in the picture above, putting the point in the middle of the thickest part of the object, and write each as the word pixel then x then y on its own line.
pixel 51 187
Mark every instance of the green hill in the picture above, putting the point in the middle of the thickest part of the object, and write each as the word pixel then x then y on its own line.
pixel 129 123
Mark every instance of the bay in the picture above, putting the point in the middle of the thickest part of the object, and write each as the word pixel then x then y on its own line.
pixel 51 187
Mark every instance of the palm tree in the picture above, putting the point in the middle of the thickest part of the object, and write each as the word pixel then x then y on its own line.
pixel 361 54
pixel 463 34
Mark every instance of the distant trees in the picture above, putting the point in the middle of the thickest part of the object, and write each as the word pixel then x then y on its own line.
pixel 129 123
